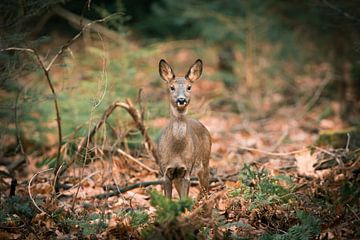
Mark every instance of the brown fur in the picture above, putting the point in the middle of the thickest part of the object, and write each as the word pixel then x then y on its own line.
pixel 185 144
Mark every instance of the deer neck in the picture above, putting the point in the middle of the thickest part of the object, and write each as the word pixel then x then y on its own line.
pixel 178 123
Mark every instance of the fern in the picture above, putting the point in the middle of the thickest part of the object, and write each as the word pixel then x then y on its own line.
pixel 166 224
pixel 261 189
pixel 308 228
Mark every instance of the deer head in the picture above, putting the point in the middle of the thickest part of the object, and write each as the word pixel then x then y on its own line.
pixel 180 87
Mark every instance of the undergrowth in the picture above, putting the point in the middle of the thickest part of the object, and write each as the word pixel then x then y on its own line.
pixel 167 224
pixel 308 228
pixel 259 188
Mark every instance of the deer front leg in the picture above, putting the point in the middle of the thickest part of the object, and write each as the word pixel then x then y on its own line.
pixel 169 175
pixel 167 187
pixel 182 186
pixel 182 181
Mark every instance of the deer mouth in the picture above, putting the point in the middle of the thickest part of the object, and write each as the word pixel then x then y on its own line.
pixel 181 103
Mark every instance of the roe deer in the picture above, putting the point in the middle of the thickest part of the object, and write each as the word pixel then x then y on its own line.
pixel 184 145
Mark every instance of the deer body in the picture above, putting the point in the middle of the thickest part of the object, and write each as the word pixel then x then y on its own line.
pixel 184 145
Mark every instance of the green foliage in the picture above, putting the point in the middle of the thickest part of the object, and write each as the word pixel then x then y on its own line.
pixel 88 225
pixel 168 210
pixel 261 189
pixel 308 228
pixel 3 215
pixel 166 224
pixel 21 206
pixel 138 218
pixel 350 193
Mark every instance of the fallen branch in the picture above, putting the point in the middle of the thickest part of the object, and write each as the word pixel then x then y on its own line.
pixel 116 190
pixel 272 153
pixel 78 22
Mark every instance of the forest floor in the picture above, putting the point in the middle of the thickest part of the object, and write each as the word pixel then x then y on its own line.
pixel 271 178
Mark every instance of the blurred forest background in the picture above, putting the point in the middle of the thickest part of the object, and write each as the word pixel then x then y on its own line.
pixel 280 94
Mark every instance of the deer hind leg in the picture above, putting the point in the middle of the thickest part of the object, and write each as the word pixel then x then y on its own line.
pixel 203 175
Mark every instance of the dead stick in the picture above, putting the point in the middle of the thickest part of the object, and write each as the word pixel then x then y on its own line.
pixel 272 153
pixel 149 144
pixel 136 161
pixel 116 190
pixel 78 21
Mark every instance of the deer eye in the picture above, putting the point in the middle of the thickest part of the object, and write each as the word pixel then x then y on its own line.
pixel 172 88
pixel 188 87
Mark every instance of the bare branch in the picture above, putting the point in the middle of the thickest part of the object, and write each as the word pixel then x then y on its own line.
pixel 29 190
pixel 51 86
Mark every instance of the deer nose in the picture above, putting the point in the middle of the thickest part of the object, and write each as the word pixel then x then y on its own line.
pixel 181 101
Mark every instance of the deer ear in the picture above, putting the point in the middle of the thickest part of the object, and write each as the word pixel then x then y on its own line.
pixel 195 71
pixel 166 71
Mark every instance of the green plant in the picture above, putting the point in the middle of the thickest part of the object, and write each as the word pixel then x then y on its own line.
pixel 21 206
pixel 167 224
pixel 308 228
pixel 168 210
pixel 138 218
pixel 87 225
pixel 260 188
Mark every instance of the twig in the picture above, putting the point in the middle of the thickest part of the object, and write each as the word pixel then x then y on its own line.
pixel 280 140
pixel 13 186
pixel 341 12
pixel 66 187
pixel 141 108
pixel 316 95
pixel 18 133
pixel 209 201
pixel 29 190
pixel 347 142
pixel 357 216
pixel 325 151
pixel 136 161
pixel 272 153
